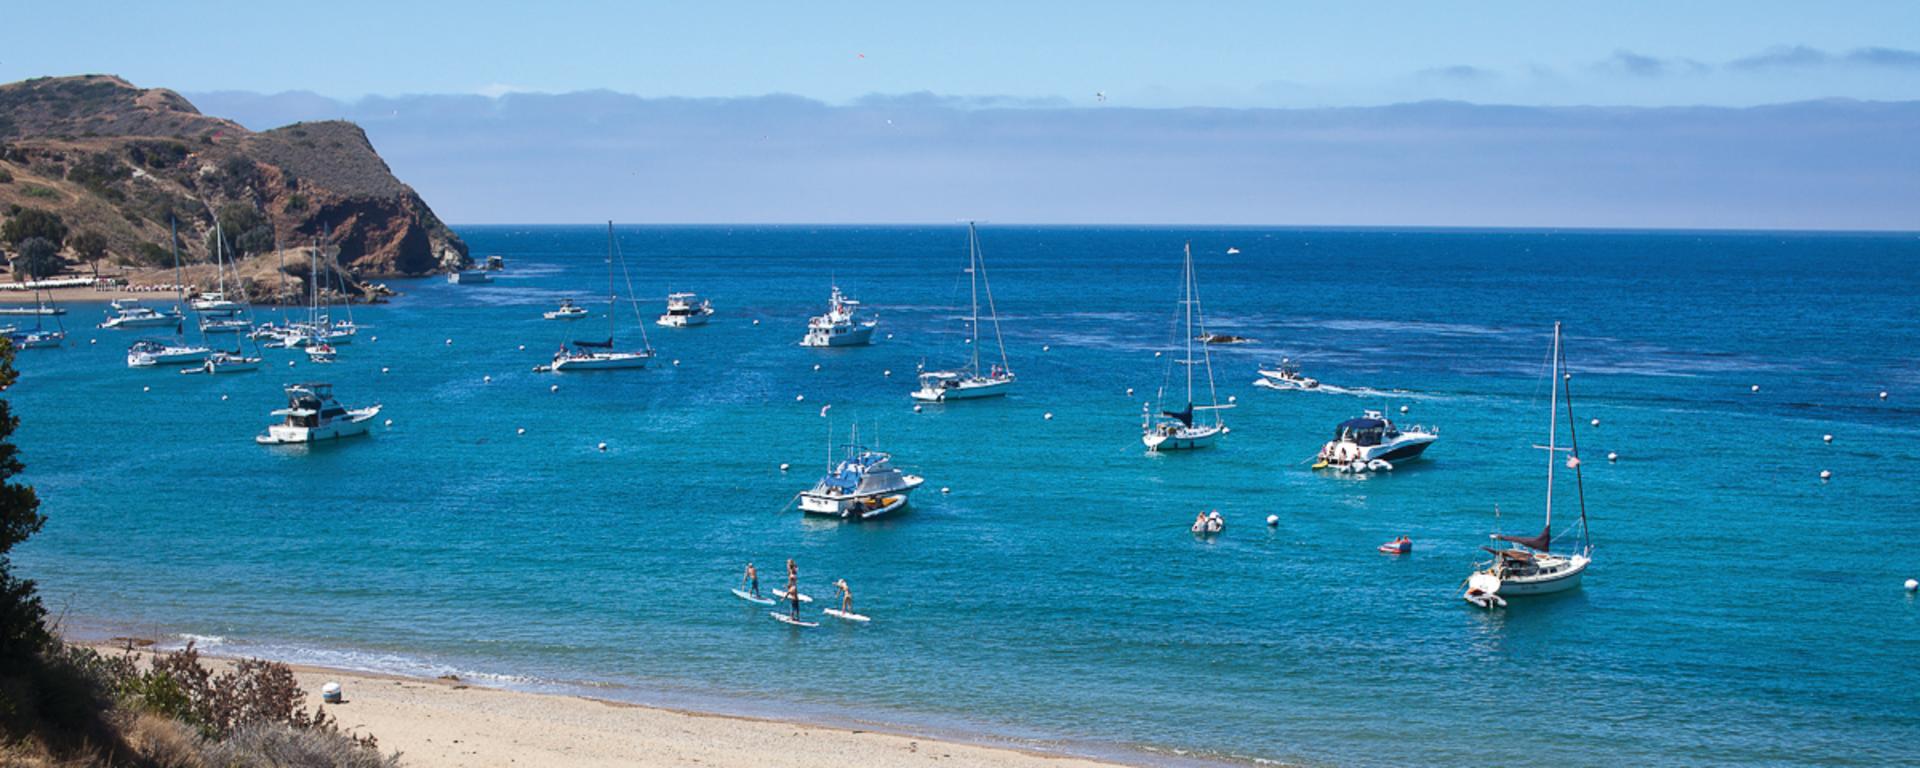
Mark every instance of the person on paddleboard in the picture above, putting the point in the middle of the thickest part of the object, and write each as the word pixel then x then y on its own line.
pixel 846 596
pixel 751 581
pixel 793 586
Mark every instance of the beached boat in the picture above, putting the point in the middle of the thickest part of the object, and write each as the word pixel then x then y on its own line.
pixel 1373 442
pixel 970 382
pixel 128 313
pixel 312 415
pixel 601 355
pixel 862 486
pixel 1181 429
pixel 841 326
pixel 1530 566
pixel 566 311
pixel 1285 375
pixel 685 310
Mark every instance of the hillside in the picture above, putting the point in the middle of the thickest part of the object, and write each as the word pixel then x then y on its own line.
pixel 117 161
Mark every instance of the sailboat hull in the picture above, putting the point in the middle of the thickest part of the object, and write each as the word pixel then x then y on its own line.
pixel 1559 581
pixel 858 336
pixel 966 390
pixel 1181 440
pixel 603 361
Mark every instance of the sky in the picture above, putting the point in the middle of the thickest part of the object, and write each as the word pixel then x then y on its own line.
pixel 1426 113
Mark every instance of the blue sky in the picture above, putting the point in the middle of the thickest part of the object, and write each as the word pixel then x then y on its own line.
pixel 1220 54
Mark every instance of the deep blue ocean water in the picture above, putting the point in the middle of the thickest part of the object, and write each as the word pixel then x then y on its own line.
pixel 1740 611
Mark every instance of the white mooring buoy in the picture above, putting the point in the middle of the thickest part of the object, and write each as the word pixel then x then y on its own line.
pixel 1596 422
pixel 383 369
pixel 1273 521
pixel 1233 398
pixel 799 398
pixel 1826 438
pixel 1826 474
pixel 520 431
pixel 756 322
pixel 553 388
pixel 486 379
pixel 1912 585
pixel 816 366
pixel 1611 456
pixel 916 409
pixel 523 347
pixel 1883 394
pixel 1403 409
pixel 146 389
pixel 1129 391
pixel 603 447
pixel 449 342
pixel 1756 387
pixel 1048 416
pixel 784 467
pixel 1046 347
pixel 223 398
pixel 887 372
pixel 944 489
pixel 389 422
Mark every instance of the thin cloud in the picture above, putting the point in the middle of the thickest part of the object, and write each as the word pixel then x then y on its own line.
pixel 1783 57
pixel 1625 62
pixel 1895 58
pixel 1459 73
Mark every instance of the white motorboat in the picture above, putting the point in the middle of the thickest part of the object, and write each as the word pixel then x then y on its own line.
pixel 226 362
pixel 862 486
pixel 128 313
pixel 969 382
pixel 841 326
pixel 566 311
pixel 312 415
pixel 1285 375
pixel 469 277
pixel 147 353
pixel 1373 442
pixel 685 310
pixel 601 355
pixel 215 303
pixel 228 324
pixel 1530 566
pixel 1181 430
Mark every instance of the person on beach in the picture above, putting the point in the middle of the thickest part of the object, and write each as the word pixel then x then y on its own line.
pixel 846 596
pixel 751 581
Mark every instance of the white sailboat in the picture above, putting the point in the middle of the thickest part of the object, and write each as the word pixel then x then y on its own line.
pixel 1193 426
pixel 969 382
pixel 1530 566
pixel 600 355
pixel 147 353
pixel 41 337
pixel 215 303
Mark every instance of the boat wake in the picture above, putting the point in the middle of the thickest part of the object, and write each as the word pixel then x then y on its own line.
pixel 1332 389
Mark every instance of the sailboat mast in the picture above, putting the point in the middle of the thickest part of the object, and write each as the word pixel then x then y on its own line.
pixel 1553 424
pixel 973 284
pixel 1186 274
pixel 610 294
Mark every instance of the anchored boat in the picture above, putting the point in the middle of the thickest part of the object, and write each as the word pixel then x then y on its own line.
pixel 312 415
pixel 969 381
pixel 600 355
pixel 841 326
pixel 1372 443
pixel 1530 566
pixel 685 310
pixel 862 486
pixel 1181 429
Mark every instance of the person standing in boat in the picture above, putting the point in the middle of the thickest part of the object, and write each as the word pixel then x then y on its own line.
pixel 751 580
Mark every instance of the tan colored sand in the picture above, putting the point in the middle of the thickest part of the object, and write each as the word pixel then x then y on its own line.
pixel 435 723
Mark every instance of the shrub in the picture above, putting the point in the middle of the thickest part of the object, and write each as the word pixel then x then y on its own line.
pixel 6 176
pixel 33 222
pixel 267 745
pixel 296 203
pixel 152 255
pixel 43 193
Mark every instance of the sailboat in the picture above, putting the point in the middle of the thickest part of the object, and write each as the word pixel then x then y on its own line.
pixel 147 353
pixel 216 303
pixel 41 337
pixel 969 382
pixel 1181 430
pixel 600 355
pixel 1530 566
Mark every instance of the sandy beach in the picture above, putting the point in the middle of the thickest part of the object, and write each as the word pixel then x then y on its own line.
pixel 448 723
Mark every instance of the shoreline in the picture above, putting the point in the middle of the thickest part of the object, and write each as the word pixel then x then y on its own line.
pixel 450 721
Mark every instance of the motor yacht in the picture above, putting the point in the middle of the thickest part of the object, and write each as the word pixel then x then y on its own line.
pixel 312 415
pixel 685 310
pixel 1372 443
pixel 841 326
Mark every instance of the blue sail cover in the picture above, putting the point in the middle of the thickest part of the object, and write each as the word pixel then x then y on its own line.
pixel 608 344
pixel 1185 417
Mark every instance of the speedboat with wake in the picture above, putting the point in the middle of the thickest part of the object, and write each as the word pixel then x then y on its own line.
pixel 1181 430
pixel 1373 443
pixel 1285 375
pixel 841 326
pixel 566 311
pixel 1530 566
pixel 863 486
pixel 312 415
pixel 969 381
pixel 685 310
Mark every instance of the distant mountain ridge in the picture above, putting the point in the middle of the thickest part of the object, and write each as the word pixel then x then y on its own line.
pixel 118 160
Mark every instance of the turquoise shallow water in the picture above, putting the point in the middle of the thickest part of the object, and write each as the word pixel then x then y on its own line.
pixel 1740 611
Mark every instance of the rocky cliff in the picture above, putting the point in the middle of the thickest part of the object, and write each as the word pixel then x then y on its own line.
pixel 118 161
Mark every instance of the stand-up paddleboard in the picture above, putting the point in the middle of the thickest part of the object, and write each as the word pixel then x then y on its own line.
pixel 748 596
pixel 782 594
pixel 785 619
pixel 840 614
